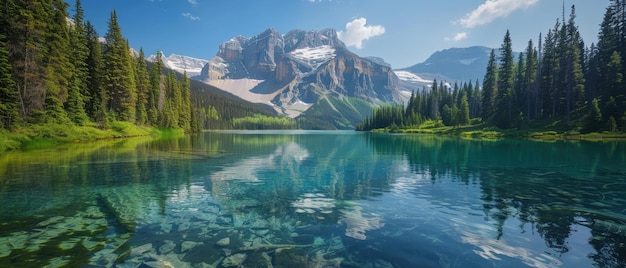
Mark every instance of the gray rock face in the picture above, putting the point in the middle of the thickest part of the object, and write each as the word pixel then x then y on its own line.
pixel 304 66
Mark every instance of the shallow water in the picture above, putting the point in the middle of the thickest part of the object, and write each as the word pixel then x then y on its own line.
pixel 315 199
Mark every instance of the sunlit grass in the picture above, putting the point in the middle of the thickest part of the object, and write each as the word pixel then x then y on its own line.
pixel 51 135
pixel 537 130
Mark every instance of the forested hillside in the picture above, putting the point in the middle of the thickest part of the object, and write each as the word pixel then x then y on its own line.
pixel 561 81
pixel 56 70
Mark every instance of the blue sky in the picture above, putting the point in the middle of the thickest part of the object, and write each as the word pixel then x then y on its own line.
pixel 403 32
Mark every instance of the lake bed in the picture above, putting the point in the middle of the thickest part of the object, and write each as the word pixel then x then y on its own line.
pixel 315 199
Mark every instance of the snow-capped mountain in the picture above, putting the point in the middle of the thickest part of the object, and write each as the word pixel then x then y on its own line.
pixel 310 75
pixel 313 57
pixel 179 63
pixel 454 64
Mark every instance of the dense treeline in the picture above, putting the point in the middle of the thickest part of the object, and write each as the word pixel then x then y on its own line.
pixel 454 105
pixel 560 80
pixel 217 109
pixel 58 70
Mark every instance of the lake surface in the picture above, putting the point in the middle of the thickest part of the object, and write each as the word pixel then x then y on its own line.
pixel 315 199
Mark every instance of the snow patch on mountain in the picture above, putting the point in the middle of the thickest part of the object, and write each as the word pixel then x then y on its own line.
pixel 468 61
pixel 314 56
pixel 411 77
pixel 181 64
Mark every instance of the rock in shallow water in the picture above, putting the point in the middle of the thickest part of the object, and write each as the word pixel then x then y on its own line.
pixel 167 247
pixel 235 260
pixel 141 249
pixel 223 242
pixel 187 245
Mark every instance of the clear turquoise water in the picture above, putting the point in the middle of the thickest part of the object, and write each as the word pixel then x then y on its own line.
pixel 315 199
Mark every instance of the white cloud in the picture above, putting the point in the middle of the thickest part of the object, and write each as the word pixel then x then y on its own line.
pixel 191 17
pixel 357 32
pixel 193 2
pixel 460 36
pixel 491 10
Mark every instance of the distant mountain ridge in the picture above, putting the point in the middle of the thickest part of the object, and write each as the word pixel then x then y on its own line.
pixel 454 64
pixel 301 71
pixel 313 76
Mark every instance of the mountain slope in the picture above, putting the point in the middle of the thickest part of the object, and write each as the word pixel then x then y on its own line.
pixel 454 64
pixel 300 70
pixel 181 64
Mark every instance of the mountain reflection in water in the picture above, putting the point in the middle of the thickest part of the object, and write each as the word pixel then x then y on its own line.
pixel 315 199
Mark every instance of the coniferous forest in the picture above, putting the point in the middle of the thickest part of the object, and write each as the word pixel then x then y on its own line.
pixel 56 70
pixel 559 81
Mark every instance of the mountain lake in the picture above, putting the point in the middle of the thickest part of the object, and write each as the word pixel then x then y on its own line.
pixel 314 199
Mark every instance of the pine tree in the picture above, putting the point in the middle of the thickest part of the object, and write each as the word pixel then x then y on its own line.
pixel 551 71
pixel 608 43
pixel 615 105
pixel 519 86
pixel 27 51
pixel 593 121
pixel 74 106
pixel 95 105
pixel 464 111
pixel 572 68
pixel 530 72
pixel 592 73
pixel 170 114
pixel 79 52
pixel 185 107
pixel 155 96
pixel 503 102
pixel 58 66
pixel 490 86
pixel 142 84
pixel 433 103
pixel 8 92
pixel 118 76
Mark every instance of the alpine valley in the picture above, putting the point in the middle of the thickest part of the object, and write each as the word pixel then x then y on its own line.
pixel 312 76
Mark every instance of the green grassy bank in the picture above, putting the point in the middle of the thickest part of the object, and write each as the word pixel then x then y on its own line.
pixel 49 135
pixel 539 131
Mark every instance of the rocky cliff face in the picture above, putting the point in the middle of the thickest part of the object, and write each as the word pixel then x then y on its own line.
pixel 293 72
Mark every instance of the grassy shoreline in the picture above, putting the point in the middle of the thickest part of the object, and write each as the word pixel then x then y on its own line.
pixel 478 131
pixel 50 135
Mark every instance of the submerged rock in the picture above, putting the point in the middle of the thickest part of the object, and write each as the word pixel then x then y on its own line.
pixel 235 260
pixel 167 247
pixel 187 245
pixel 141 249
pixel 223 242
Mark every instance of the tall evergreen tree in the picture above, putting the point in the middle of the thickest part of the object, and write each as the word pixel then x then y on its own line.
pixel 490 87
pixel 518 94
pixel 185 107
pixel 27 28
pixel 575 81
pixel 464 110
pixel 503 102
pixel 530 74
pixel 608 42
pixel 143 84
pixel 58 66
pixel 8 92
pixel 550 67
pixel 95 105
pixel 155 98
pixel 118 76
pixel 79 52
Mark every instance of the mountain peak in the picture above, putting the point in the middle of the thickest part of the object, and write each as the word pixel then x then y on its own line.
pixel 292 72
